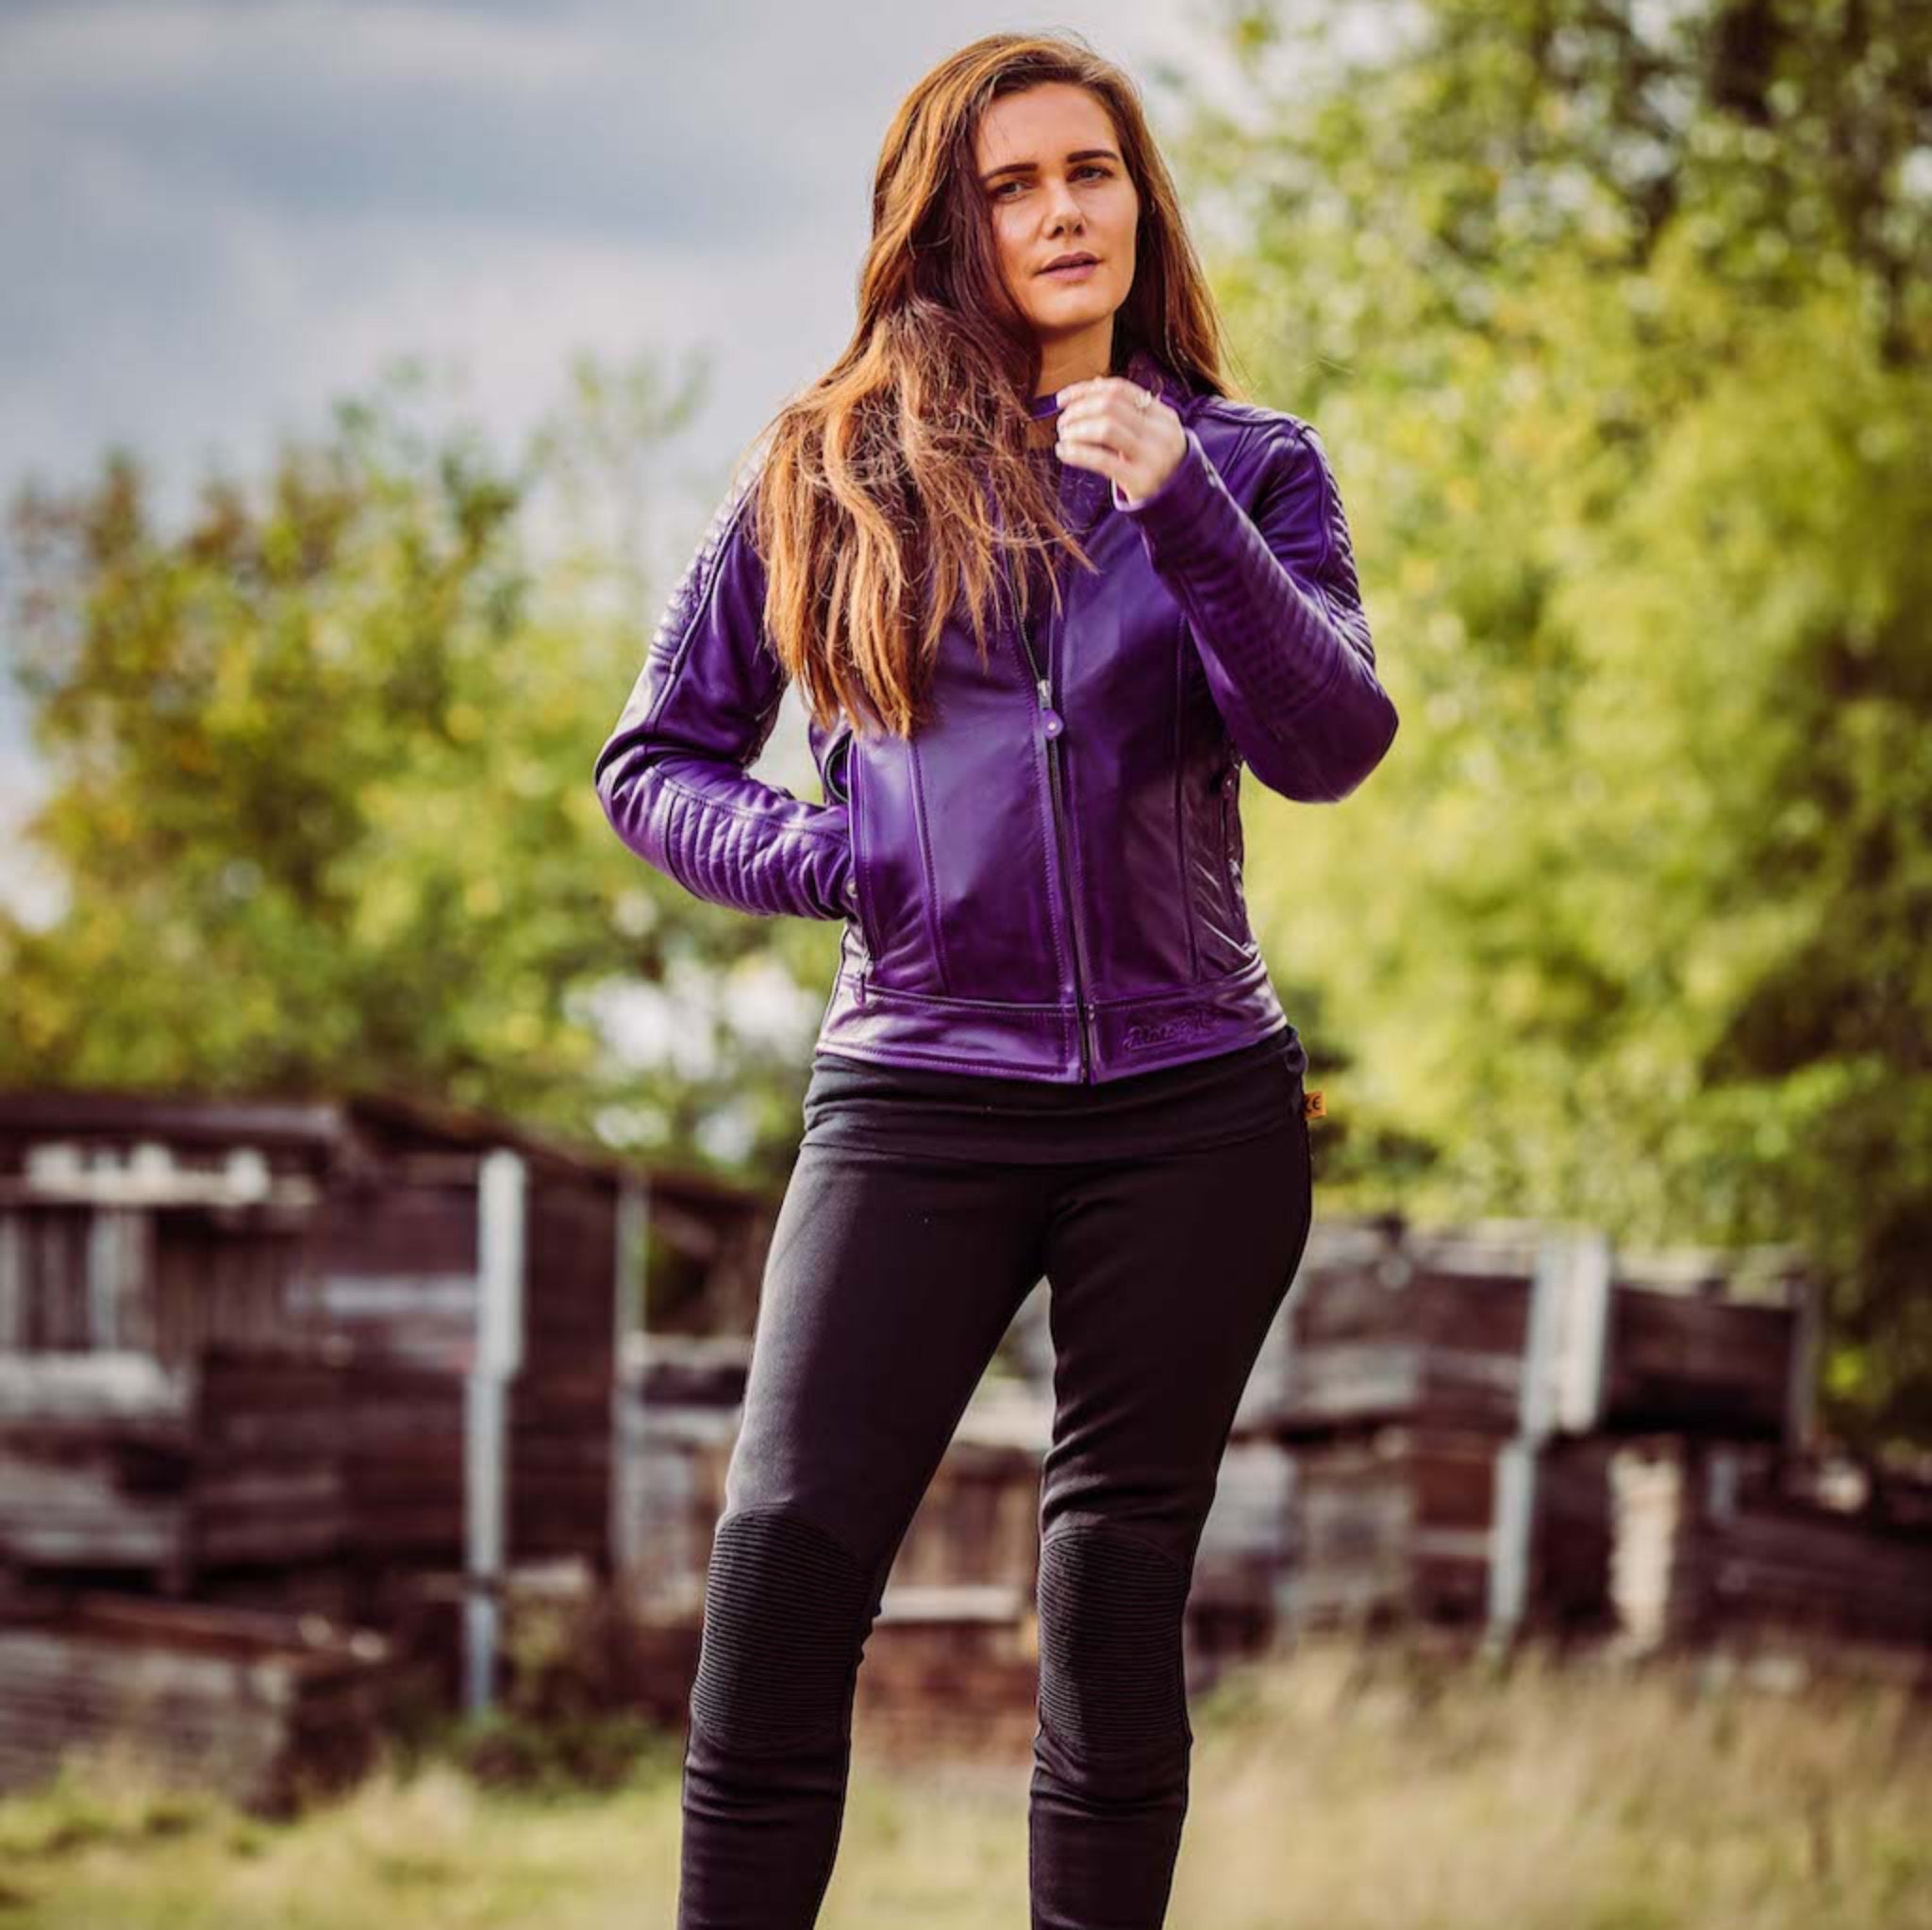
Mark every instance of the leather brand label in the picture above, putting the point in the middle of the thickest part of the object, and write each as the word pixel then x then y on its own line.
pixel 1190 1022
pixel 1312 1106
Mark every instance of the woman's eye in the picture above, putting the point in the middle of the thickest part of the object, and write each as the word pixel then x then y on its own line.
pixel 1084 168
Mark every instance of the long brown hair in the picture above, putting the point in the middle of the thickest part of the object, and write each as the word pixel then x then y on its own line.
pixel 889 486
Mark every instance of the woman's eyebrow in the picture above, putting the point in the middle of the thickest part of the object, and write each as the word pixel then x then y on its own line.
pixel 1020 167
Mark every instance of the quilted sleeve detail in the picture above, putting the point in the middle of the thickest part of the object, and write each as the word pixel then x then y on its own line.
pixel 1275 611
pixel 672 777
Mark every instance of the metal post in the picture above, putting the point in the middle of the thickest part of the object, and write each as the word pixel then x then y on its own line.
pixel 1564 1358
pixel 500 1206
pixel 629 1314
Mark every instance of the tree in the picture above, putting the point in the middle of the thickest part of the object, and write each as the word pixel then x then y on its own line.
pixel 321 799
pixel 1615 319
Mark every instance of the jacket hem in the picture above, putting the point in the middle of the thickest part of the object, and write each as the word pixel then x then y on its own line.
pixel 1134 1032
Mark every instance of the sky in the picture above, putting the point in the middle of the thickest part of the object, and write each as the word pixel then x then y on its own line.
pixel 218 218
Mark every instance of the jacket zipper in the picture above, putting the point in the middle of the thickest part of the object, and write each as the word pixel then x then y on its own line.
pixel 1054 725
pixel 1230 864
pixel 854 806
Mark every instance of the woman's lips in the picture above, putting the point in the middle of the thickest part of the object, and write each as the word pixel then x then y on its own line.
pixel 1075 271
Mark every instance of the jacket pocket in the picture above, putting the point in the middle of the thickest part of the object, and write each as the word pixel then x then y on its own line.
pixel 838 767
pixel 852 770
pixel 836 773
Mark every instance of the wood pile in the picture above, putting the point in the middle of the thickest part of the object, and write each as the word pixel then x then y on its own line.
pixel 113 1463
pixel 1693 1364
pixel 1711 1538
pixel 677 1405
pixel 1386 1322
pixel 1445 1427
pixel 265 1708
pixel 978 1523
pixel 1404 1522
pixel 1374 1332
pixel 1449 1405
pixel 302 1356
pixel 953 1652
pixel 669 1481
pixel 950 1670
pixel 1413 1386
pixel 267 1487
pixel 267 1458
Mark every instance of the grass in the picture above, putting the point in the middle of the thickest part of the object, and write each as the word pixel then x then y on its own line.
pixel 1346 1787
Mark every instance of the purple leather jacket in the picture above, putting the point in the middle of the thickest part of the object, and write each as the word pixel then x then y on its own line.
pixel 1045 882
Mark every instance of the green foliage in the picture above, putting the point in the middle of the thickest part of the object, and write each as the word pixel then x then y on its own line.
pixel 1615 321
pixel 322 803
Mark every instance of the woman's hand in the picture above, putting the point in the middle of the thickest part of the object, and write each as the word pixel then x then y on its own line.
pixel 1123 430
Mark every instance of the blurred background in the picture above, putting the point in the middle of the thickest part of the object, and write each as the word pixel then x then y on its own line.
pixel 370 373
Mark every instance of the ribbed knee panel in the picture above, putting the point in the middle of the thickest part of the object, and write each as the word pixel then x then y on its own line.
pixel 1111 1672
pixel 784 1603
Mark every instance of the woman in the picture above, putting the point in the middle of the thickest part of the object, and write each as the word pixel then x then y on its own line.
pixel 1052 1048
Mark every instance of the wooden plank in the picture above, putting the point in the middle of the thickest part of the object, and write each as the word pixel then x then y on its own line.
pixel 1682 1364
pixel 248 1700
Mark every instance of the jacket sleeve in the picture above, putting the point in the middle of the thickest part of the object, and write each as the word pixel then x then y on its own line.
pixel 673 776
pixel 1275 611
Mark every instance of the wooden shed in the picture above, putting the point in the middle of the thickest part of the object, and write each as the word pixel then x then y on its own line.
pixel 297 1337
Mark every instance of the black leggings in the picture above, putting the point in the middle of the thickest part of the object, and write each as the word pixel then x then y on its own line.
pixel 890 1280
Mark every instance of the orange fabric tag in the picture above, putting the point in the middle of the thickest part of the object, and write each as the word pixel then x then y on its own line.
pixel 1312 1106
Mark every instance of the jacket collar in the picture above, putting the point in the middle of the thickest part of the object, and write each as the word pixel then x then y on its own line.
pixel 1146 369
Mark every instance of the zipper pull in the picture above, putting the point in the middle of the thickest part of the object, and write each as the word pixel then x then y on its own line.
pixel 1054 723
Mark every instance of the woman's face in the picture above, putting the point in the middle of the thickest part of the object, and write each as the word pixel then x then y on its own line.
pixel 1049 165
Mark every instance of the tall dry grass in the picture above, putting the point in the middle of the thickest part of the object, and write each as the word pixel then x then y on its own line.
pixel 1358 1789
pixel 1346 1787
